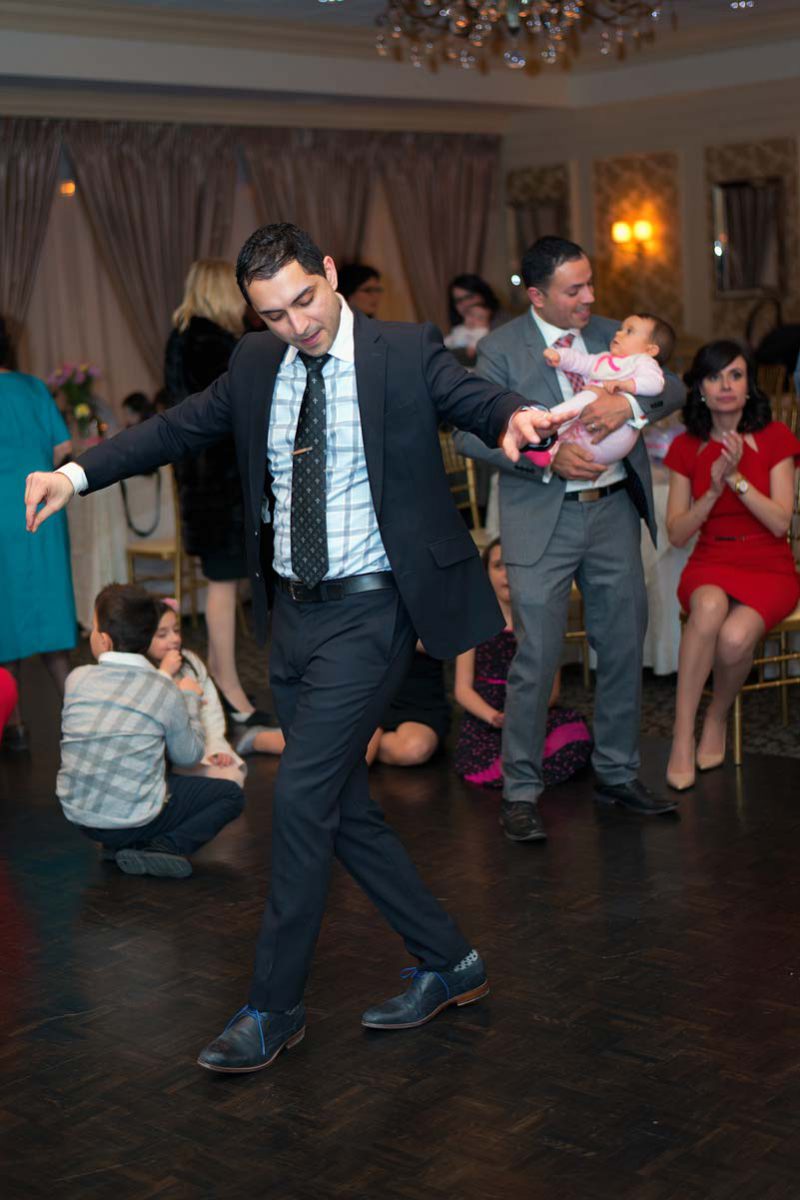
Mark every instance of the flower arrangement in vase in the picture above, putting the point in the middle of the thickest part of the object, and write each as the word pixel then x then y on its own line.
pixel 74 382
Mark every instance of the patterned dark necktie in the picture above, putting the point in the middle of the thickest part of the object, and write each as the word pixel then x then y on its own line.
pixel 309 524
pixel 575 381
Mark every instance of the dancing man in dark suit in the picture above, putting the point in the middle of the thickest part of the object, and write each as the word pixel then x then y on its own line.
pixel 350 520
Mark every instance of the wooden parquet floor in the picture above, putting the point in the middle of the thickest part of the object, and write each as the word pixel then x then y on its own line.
pixel 642 1038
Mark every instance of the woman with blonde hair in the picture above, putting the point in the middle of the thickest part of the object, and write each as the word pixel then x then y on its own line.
pixel 207 325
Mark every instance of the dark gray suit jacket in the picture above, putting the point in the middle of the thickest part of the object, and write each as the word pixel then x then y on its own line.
pixel 512 358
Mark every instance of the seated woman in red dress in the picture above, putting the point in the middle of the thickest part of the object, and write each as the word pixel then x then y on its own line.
pixel 731 482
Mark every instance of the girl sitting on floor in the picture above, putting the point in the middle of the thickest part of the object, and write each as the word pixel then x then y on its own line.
pixel 481 676
pixel 220 761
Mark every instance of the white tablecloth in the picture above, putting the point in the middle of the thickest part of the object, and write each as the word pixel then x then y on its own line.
pixel 99 534
pixel 662 570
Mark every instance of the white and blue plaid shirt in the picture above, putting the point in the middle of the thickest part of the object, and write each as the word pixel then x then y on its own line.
pixel 355 546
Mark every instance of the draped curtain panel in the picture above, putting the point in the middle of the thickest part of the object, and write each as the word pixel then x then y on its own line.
pixel 319 179
pixel 440 189
pixel 29 154
pixel 157 198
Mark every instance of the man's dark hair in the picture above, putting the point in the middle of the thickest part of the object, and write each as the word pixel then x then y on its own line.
pixel 541 260
pixel 710 360
pixel 271 248
pixel 352 276
pixel 129 615
pixel 663 336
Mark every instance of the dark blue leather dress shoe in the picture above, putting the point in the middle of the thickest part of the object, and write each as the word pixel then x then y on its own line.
pixel 428 994
pixel 252 1040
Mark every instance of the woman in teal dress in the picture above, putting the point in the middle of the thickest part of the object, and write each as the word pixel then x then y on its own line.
pixel 37 606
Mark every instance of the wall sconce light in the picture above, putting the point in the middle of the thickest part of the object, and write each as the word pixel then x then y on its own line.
pixel 67 188
pixel 623 233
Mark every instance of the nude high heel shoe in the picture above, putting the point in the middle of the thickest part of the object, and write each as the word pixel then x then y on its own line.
pixel 680 781
pixel 710 762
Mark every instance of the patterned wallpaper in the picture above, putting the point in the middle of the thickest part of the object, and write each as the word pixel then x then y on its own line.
pixel 775 158
pixel 639 186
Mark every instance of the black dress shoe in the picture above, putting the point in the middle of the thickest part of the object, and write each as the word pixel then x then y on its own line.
pixel 635 796
pixel 259 716
pixel 429 993
pixel 252 1040
pixel 521 822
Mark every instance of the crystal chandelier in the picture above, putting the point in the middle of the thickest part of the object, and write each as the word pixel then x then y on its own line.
pixel 464 32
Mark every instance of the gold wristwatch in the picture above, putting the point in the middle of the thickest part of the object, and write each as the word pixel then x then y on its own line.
pixel 741 485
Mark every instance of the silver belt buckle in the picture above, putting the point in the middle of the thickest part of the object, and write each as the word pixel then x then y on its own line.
pixel 293 592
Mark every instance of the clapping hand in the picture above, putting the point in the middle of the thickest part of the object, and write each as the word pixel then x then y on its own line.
pixel 727 462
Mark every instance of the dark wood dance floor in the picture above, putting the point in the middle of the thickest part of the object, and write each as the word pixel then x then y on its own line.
pixel 642 1038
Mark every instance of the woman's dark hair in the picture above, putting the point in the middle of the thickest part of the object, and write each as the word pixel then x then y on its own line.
pixel 352 276
pixel 129 615
pixel 471 283
pixel 710 360
pixel 541 260
pixel 271 248
pixel 486 553
pixel 5 345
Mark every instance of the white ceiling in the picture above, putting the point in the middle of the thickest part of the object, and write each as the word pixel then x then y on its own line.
pixel 362 13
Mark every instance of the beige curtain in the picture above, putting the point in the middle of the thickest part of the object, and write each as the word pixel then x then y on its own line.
pixel 157 197
pixel 319 179
pixel 440 189
pixel 75 314
pixel 29 154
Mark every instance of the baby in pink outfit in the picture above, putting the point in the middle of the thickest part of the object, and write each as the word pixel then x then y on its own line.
pixel 633 362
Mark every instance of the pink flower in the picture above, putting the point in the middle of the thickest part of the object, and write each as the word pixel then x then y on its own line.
pixel 94 372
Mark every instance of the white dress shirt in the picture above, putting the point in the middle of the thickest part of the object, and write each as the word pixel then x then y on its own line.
pixel 615 471
pixel 355 546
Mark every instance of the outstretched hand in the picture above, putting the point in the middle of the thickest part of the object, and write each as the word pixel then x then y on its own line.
pixel 51 489
pixel 527 427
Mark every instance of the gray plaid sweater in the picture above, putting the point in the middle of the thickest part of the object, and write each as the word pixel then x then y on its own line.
pixel 118 718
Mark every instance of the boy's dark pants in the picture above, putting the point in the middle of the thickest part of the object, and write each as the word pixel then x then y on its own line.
pixel 195 812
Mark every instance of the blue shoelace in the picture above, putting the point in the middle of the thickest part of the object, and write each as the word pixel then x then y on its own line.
pixel 248 1011
pixel 414 973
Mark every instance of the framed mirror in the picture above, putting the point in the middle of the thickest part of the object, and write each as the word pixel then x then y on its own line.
pixel 748 237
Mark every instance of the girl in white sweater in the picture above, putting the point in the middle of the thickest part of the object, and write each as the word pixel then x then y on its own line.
pixel 220 761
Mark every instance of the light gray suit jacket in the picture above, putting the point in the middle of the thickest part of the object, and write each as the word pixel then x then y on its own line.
pixel 529 508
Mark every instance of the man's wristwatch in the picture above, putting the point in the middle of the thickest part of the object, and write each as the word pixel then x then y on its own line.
pixel 741 485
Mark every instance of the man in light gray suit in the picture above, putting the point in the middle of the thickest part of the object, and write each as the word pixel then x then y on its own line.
pixel 579 521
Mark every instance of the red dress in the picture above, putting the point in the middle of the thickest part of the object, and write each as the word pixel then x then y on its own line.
pixel 734 551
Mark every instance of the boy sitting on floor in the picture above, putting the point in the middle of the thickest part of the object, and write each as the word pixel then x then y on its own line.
pixel 117 721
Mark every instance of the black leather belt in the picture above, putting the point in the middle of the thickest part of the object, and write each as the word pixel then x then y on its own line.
pixel 335 589
pixel 589 495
